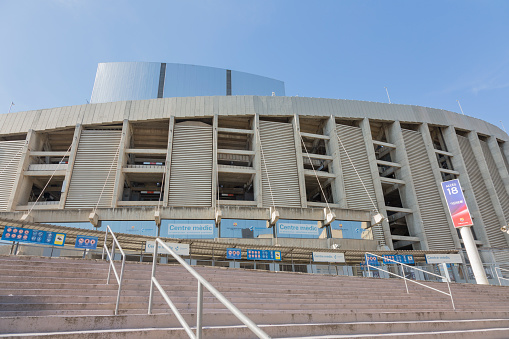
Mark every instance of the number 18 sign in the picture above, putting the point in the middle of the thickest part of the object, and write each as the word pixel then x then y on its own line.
pixel 456 202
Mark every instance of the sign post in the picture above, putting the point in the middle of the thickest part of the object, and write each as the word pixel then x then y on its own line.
pixel 461 219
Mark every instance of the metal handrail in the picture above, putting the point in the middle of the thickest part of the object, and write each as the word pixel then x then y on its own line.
pixel 199 312
pixel 405 278
pixel 501 277
pixel 111 257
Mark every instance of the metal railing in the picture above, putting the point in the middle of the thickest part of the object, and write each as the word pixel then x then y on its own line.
pixel 111 257
pixel 405 278
pixel 199 301
pixel 500 277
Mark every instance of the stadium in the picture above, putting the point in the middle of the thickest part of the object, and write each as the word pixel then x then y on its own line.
pixel 205 155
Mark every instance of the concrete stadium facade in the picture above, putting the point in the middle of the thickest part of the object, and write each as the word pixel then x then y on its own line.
pixel 178 161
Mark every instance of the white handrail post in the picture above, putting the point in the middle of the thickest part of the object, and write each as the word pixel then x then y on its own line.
pixel 120 284
pixel 450 293
pixel 199 311
pixel 112 261
pixel 404 277
pixel 154 262
pixel 105 239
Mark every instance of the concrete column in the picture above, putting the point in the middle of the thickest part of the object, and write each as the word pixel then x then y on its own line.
pixel 483 167
pixel 214 160
pixel 473 256
pixel 505 148
pixel 125 141
pixel 424 129
pixel 70 165
pixel 407 191
pixel 300 163
pixel 257 162
pixel 451 140
pixel 499 161
pixel 167 166
pixel 24 162
pixel 338 188
pixel 368 141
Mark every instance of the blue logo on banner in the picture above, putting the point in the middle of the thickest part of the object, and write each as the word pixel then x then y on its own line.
pixel 86 242
pixel 233 253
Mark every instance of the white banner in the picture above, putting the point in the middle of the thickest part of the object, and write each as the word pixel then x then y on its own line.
pixel 328 257
pixel 443 258
pixel 180 249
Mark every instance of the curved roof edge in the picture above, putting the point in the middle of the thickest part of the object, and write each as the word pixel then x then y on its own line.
pixel 112 112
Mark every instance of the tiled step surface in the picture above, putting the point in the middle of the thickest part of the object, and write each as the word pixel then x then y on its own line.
pixel 35 289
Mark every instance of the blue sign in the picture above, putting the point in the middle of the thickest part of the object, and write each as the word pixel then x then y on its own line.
pixel 263 255
pixel 396 258
pixel 371 260
pixel 33 236
pixel 233 253
pixel 86 242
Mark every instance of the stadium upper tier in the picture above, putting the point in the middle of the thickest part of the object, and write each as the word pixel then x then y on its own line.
pixel 118 81
pixel 244 154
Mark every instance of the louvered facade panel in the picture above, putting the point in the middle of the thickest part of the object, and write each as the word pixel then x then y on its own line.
pixel 503 197
pixel 191 166
pixel 10 155
pixel 279 160
pixel 482 196
pixel 94 169
pixel 433 214
pixel 356 196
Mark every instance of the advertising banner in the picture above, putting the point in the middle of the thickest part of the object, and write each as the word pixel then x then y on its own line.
pixel 404 259
pixel 33 236
pixel 180 249
pixel 371 260
pixel 233 253
pixel 458 208
pixel 296 227
pixel 328 257
pixel 86 242
pixel 263 255
pixel 443 258
pixel 191 229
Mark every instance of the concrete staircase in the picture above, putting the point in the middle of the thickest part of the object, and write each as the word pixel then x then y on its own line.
pixel 69 298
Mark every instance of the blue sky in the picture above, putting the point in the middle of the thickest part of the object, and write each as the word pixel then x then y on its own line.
pixel 428 53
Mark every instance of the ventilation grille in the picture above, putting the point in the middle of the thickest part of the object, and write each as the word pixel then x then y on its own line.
pixel 489 217
pixel 433 215
pixel 356 195
pixel 191 166
pixel 278 145
pixel 503 197
pixel 96 157
pixel 10 155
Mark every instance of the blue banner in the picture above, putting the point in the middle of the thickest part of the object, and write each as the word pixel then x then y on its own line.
pixel 404 259
pixel 263 255
pixel 233 253
pixel 33 236
pixel 86 242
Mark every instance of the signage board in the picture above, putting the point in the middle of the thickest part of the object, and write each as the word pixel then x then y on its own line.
pixel 180 249
pixel 263 255
pixel 197 230
pixel 233 253
pixel 443 258
pixel 297 227
pixel 328 257
pixel 403 259
pixel 33 236
pixel 371 260
pixel 86 242
pixel 458 208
